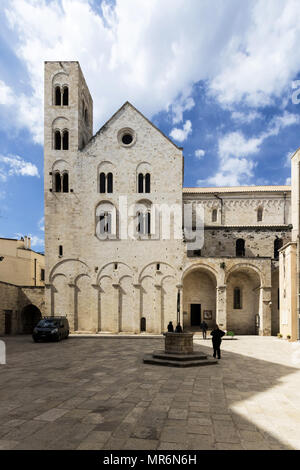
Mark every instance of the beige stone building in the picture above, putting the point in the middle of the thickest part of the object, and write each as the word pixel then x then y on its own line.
pixel 21 265
pixel 22 280
pixel 117 248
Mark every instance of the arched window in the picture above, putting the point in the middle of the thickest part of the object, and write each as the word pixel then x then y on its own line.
pixel 144 222
pixel 147 183
pixel 141 183
pixel 240 247
pixel 65 183
pixel 277 245
pixel 66 96
pixel 57 182
pixel 214 215
pixel 57 96
pixel 259 214
pixel 110 183
pixel 144 183
pixel 57 140
pixel 237 298
pixel 66 140
pixel 106 221
pixel 102 182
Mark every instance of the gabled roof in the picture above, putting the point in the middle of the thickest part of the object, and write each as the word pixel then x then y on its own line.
pixel 141 114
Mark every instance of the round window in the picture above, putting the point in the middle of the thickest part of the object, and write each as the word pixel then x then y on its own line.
pixel 127 139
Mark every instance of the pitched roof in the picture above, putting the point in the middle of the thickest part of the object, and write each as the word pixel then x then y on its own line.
pixel 141 114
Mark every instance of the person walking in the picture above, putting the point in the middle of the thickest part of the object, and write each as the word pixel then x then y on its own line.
pixel 204 327
pixel 170 327
pixel 217 340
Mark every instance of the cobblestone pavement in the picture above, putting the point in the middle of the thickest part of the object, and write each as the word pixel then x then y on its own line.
pixel 96 393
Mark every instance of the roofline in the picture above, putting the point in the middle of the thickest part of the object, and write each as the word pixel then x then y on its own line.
pixel 233 189
pixel 141 114
pixel 26 249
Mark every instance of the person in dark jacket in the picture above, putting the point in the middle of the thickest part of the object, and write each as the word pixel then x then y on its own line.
pixel 217 340
pixel 170 327
pixel 178 328
pixel 204 327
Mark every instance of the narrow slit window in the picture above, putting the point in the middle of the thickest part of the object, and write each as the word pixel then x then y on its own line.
pixel 214 215
pixel 66 140
pixel 102 182
pixel 259 214
pixel 141 183
pixel 65 183
pixel 237 298
pixel 61 251
pixel 57 140
pixel 110 183
pixel 57 182
pixel 57 96
pixel 66 96
pixel 147 183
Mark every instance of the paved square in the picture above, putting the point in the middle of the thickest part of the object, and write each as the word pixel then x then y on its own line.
pixel 96 393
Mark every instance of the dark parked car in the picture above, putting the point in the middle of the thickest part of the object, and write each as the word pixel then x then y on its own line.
pixel 51 328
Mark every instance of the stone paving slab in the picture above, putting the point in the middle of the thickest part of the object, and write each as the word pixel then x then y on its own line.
pixel 96 393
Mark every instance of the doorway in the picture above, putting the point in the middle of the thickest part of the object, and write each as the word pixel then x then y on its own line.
pixel 8 321
pixel 195 314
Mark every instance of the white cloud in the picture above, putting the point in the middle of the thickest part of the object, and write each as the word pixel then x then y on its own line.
pixel 246 52
pixel 234 149
pixel 199 153
pixel 263 62
pixel 15 165
pixel 245 118
pixel 41 224
pixel 182 134
pixel 37 242
pixel 288 181
pixel 6 94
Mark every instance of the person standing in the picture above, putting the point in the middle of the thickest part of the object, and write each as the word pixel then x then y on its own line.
pixel 217 340
pixel 204 327
pixel 170 327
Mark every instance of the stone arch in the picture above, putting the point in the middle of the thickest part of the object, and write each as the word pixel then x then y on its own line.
pixel 242 318
pixel 203 266
pixel 199 296
pixel 123 269
pixel 60 292
pixel 70 268
pixel 246 266
pixel 30 317
pixel 150 268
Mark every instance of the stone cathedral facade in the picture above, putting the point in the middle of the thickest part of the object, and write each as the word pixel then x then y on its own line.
pixel 116 251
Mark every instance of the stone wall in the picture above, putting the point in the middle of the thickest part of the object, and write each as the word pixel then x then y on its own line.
pixel 13 299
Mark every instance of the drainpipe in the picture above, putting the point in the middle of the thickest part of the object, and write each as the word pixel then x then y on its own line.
pixel 35 271
pixel 220 199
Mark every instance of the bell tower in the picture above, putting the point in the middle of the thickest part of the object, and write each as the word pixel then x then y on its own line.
pixel 68 126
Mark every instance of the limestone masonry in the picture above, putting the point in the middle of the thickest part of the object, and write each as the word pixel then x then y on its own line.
pixel 116 247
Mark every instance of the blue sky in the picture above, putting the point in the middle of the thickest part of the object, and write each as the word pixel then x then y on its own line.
pixel 217 77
